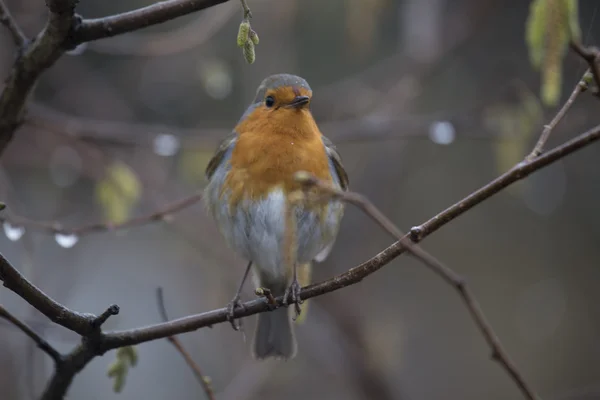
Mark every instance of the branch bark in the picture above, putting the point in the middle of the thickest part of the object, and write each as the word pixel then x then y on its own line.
pixel 65 30
pixel 41 342
pixel 31 62
pixel 15 31
pixel 157 13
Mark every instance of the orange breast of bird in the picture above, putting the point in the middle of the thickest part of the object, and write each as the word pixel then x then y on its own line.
pixel 269 151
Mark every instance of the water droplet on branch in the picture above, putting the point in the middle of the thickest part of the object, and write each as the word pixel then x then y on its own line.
pixel 13 232
pixel 66 240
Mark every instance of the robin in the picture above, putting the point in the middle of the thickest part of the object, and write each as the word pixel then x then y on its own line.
pixel 249 178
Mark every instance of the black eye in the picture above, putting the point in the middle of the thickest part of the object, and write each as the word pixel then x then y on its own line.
pixel 269 101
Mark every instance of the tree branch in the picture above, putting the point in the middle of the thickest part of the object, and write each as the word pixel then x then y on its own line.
pixel 83 324
pixel 32 61
pixel 15 31
pixel 157 13
pixel 64 30
pixel 539 146
pixel 41 342
pixel 592 56
pixel 157 215
pixel 499 354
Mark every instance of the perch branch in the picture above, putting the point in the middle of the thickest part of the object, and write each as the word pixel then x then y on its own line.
pixel 204 380
pixel 98 342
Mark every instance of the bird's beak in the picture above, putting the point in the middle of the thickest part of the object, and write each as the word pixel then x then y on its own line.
pixel 298 102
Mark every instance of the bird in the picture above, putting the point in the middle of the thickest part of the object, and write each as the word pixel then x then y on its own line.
pixel 249 178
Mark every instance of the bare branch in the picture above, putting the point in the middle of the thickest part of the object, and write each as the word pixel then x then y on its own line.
pixel 15 31
pixel 498 353
pixel 41 342
pixel 157 215
pixel 62 31
pixel 592 56
pixel 189 36
pixel 83 324
pixel 204 380
pixel 539 146
pixel 94 29
pixel 41 54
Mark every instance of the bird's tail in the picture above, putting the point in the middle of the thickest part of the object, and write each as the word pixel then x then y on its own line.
pixel 274 336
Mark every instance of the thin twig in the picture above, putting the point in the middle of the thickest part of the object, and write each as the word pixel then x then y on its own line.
pixel 15 31
pixel 204 380
pixel 41 342
pixel 498 353
pixel 55 227
pixel 539 146
pixel 592 56
pixel 247 12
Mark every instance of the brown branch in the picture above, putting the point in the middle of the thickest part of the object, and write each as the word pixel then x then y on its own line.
pixel 592 56
pixel 189 36
pixel 539 146
pixel 7 20
pixel 55 227
pixel 39 341
pixel 98 343
pixel 204 380
pixel 32 61
pixel 157 13
pixel 83 324
pixel 63 31
pixel 499 354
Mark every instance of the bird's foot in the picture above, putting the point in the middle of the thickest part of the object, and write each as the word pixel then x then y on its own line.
pixel 294 291
pixel 235 302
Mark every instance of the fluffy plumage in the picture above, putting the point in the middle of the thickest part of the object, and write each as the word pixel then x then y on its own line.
pixel 250 176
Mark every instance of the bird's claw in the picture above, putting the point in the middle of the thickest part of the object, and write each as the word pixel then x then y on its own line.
pixel 235 302
pixel 294 291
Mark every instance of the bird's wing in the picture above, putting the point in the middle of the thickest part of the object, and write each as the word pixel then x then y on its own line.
pixel 338 171
pixel 336 161
pixel 225 145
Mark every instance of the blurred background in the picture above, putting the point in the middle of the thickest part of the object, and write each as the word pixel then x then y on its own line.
pixel 427 100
